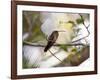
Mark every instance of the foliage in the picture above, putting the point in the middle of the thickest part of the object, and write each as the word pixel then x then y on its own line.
pixel 79 20
pixel 36 35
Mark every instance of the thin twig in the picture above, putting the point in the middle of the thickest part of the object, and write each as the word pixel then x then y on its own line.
pixel 84 24
pixel 58 58
pixel 88 26
pixel 86 29
pixel 43 45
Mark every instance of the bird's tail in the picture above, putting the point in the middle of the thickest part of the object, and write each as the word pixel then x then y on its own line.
pixel 49 45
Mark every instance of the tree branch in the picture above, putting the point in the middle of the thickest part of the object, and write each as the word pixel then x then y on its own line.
pixel 43 45
pixel 86 29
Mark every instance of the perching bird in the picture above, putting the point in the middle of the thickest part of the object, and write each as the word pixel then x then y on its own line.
pixel 51 40
pixel 57 22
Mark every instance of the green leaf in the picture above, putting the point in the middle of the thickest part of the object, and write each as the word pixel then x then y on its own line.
pixel 71 22
pixel 74 50
pixel 64 47
pixel 79 20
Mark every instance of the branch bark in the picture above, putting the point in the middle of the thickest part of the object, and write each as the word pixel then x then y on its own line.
pixel 43 45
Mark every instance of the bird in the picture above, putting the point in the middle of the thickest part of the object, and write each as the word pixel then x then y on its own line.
pixel 51 40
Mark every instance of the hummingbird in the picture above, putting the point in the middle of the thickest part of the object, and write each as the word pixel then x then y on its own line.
pixel 51 40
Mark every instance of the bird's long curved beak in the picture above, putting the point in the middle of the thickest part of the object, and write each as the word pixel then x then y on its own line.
pixel 61 31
